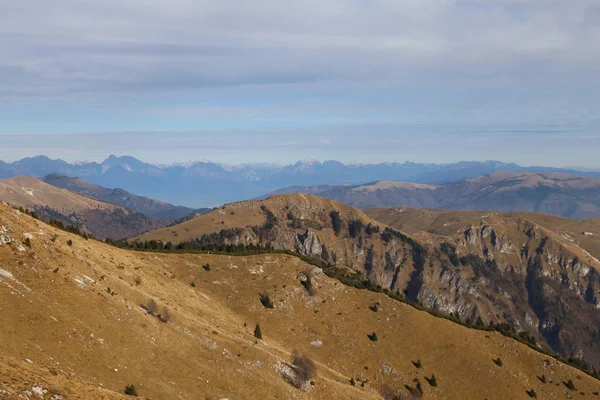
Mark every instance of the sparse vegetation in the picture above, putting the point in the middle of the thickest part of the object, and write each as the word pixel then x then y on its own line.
pixel 165 316
pixel 130 390
pixel 306 281
pixel 266 300
pixel 257 332
pixel 151 307
pixel 531 393
pixel 350 278
pixel 304 368
pixel 415 391
pixel 432 381
pixel 336 221
pixel 570 385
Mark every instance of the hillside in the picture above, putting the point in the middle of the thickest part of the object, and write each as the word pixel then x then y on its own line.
pixel 74 311
pixel 153 208
pixel 100 219
pixel 550 193
pixel 503 270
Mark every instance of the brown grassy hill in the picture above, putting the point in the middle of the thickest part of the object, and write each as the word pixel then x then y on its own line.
pixel 503 270
pixel 100 219
pixel 74 311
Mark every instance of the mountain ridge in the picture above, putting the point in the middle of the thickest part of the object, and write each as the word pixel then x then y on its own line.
pixel 209 184
pixel 504 270
pixel 550 192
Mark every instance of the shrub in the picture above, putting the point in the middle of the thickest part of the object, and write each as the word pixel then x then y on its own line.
pixel 531 393
pixel 372 337
pixel 193 284
pixel 307 283
pixel 70 242
pixel 257 332
pixel 165 316
pixel 417 363
pixel 336 221
pixel 416 391
pixel 374 307
pixel 266 300
pixel 304 368
pixel 151 307
pixel 498 362
pixel 130 390
pixel 138 280
pixel 432 381
pixel 570 385
pixel 27 242
pixel 206 267
pixel 53 238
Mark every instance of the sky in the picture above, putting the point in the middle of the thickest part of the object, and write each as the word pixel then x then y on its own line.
pixel 277 81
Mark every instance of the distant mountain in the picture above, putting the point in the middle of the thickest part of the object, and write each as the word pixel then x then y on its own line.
pixel 101 219
pixel 550 193
pixel 120 197
pixel 209 184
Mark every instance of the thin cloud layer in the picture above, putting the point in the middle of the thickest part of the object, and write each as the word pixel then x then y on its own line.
pixel 67 46
pixel 337 67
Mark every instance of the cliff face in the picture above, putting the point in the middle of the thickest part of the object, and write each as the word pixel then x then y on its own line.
pixel 497 268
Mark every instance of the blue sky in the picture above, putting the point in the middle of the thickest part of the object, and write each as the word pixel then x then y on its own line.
pixel 277 81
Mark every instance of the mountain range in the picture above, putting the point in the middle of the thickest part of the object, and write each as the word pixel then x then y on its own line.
pixel 85 320
pixel 206 184
pixel 549 192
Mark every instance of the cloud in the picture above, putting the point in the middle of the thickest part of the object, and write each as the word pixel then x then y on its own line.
pixel 69 46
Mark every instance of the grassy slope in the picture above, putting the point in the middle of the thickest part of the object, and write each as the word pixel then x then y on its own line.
pixel 70 323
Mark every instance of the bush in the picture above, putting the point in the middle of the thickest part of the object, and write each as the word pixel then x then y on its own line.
pixel 417 363
pixel 257 332
pixel 138 280
pixel 27 242
pixel 193 284
pixel 266 300
pixel 570 385
pixel 307 283
pixel 206 267
pixel 498 362
pixel 304 368
pixel 70 242
pixel 531 393
pixel 374 307
pixel 151 307
pixel 432 381
pixel 336 221
pixel 372 337
pixel 130 390
pixel 165 316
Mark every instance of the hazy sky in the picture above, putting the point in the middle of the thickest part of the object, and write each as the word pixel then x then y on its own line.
pixel 276 81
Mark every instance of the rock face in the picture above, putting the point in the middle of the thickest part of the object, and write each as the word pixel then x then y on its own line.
pixel 308 244
pixel 499 269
